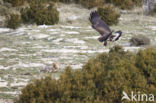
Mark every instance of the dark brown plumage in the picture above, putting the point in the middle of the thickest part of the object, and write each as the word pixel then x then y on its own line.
pixel 99 25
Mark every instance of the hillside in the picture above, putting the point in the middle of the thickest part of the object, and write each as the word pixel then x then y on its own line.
pixel 26 51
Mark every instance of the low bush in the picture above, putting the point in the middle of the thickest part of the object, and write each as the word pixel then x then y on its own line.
pixel 139 40
pixel 101 80
pixel 13 21
pixel 39 14
pixel 109 14
pixel 145 61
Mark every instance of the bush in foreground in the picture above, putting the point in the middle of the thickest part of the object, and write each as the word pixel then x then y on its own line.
pixel 109 14
pixel 14 21
pixel 101 80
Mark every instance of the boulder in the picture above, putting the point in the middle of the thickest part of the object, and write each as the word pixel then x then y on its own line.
pixel 139 40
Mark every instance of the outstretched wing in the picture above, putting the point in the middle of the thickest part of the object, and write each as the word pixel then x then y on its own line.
pixel 98 24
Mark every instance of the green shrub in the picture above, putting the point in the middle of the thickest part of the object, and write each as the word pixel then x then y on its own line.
pixel 15 2
pixel 101 80
pixel 145 61
pixel 109 14
pixel 39 14
pixel 139 40
pixel 14 21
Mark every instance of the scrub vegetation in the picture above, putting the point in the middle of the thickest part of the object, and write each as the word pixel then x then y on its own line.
pixel 45 12
pixel 39 14
pixel 109 14
pixel 101 80
pixel 28 50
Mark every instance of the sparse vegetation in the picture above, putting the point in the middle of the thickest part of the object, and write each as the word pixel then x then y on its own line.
pixel 14 21
pixel 139 40
pixel 101 80
pixel 109 14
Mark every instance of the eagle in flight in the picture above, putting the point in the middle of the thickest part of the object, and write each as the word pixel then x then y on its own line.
pixel 99 25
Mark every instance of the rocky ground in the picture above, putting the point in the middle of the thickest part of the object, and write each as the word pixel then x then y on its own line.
pixel 25 52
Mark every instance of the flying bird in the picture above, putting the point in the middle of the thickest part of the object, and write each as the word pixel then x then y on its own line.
pixel 99 25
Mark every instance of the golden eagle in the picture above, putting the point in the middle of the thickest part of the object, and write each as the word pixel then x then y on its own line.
pixel 99 25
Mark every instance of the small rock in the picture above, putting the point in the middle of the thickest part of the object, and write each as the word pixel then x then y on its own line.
pixel 56 66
